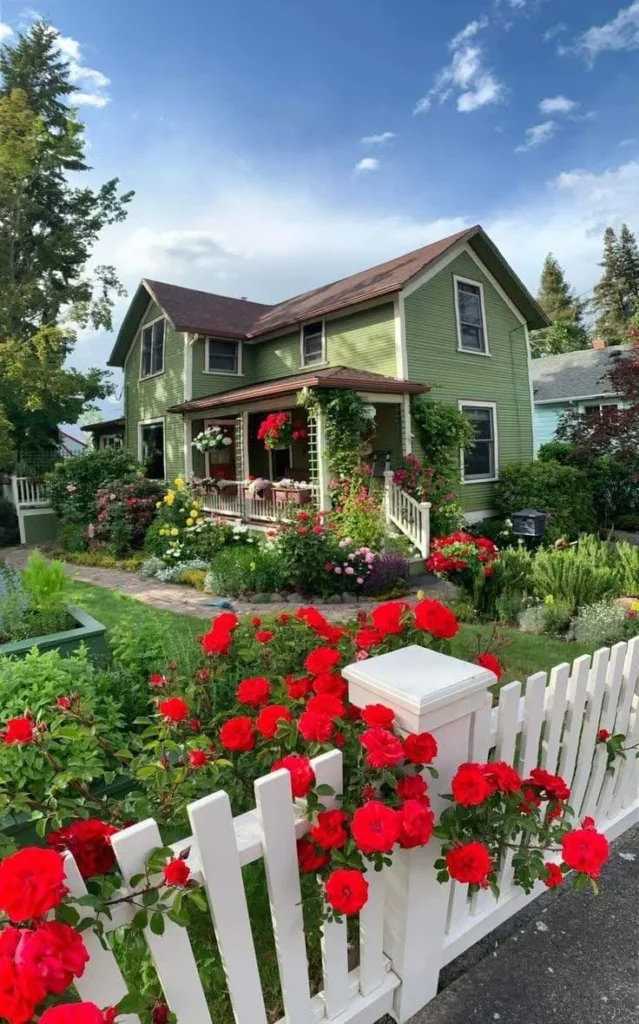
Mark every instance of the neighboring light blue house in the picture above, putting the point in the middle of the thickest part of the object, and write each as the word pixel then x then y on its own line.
pixel 573 380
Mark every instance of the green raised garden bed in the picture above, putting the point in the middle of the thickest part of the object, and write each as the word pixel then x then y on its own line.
pixel 88 631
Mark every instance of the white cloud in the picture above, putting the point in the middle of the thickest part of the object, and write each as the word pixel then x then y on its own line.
pixel 558 105
pixel 486 90
pixel 627 142
pixel 367 163
pixel 471 30
pixel 475 85
pixel 554 31
pixel 90 99
pixel 538 135
pixel 5 31
pixel 94 83
pixel 378 140
pixel 622 33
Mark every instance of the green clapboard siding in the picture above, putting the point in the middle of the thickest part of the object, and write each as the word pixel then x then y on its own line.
pixel 433 358
pixel 364 340
pixel 149 399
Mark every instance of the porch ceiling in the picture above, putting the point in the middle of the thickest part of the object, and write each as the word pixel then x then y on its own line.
pixel 329 377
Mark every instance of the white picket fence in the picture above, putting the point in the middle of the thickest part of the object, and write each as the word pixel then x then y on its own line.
pixel 411 925
pixel 408 515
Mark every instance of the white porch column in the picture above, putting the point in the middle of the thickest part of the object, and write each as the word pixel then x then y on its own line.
pixel 322 462
pixel 429 692
pixel 406 426
pixel 188 449
pixel 245 468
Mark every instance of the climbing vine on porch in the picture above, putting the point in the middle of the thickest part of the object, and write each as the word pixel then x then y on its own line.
pixel 347 424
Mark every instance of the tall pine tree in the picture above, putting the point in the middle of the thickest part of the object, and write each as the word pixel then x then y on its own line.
pixel 616 296
pixel 629 271
pixel 558 301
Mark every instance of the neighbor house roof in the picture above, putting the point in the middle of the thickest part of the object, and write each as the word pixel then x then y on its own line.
pixel 101 425
pixel 575 375
pixel 224 317
pixel 330 377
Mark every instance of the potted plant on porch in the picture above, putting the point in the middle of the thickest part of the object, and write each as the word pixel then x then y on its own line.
pixel 257 488
pixel 279 431
pixel 212 439
pixel 292 492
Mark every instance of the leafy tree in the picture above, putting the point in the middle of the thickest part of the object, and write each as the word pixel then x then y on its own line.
pixel 616 296
pixel 558 301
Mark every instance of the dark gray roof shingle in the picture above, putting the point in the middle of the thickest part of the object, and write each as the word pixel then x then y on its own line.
pixel 583 374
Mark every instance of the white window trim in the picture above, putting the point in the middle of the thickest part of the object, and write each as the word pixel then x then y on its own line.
pixel 322 361
pixel 143 328
pixel 598 403
pixel 110 437
pixel 468 403
pixel 224 373
pixel 150 423
pixel 477 284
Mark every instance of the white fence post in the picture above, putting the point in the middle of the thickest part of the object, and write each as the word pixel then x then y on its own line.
pixel 429 692
pixel 425 507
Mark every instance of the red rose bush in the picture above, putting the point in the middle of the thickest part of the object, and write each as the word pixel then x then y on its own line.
pixel 463 559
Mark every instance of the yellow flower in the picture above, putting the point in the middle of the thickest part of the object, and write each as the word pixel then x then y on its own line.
pixel 158 504
pixel 421 594
pixel 634 607
pixel 179 483
pixel 189 522
pixel 170 498
pixel 199 522
pixel 193 513
pixel 549 599
pixel 174 531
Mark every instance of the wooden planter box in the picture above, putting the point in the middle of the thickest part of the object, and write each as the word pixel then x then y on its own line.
pixel 224 492
pixel 88 631
pixel 267 492
pixel 293 497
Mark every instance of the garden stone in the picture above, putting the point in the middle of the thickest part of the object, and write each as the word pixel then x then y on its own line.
pixel 278 598
pixel 295 599
pixel 263 598
pixel 334 599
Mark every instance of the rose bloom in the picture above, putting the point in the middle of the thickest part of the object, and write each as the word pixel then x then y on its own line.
pixel 603 736
pixel 377 714
pixel 384 748
pixel 326 704
pixel 31 883
pixel 301 772
pixel 77 1013
pixel 160 1014
pixel 376 827
pixel 17 999
pixel 175 709
pixel 586 851
pixel 256 621
pixel 329 831
pixel 420 747
pixel 19 730
pixel 157 680
pixel 216 642
pixel 254 691
pixel 269 719
pixel 330 682
pixel 54 953
pixel 412 787
pixel 387 618
pixel 64 703
pixel 469 863
pixel 489 661
pixel 238 734
pixel 417 824
pixel 90 843
pixel 554 785
pixel 322 659
pixel 297 688
pixel 316 728
pixel 310 859
pixel 176 872
pixel 436 618
pixel 264 636
pixel 198 758
pixel 470 785
pixel 554 877
pixel 367 638
pixel 346 891
pixel 503 776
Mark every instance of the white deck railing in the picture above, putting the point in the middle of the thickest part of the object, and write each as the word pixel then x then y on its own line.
pixel 236 501
pixel 28 492
pixel 408 515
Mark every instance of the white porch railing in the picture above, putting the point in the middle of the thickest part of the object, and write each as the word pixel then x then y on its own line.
pixel 411 925
pixel 408 515
pixel 234 501
pixel 28 492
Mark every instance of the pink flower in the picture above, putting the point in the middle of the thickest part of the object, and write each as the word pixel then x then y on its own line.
pixel 71 488
pixel 337 569
pixel 349 570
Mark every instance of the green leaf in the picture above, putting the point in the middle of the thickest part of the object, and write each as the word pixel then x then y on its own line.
pixel 156 923
pixel 324 789
pixel 132 1003
pixel 150 897
pixel 141 919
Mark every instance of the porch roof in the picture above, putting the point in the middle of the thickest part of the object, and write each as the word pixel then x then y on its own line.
pixel 328 377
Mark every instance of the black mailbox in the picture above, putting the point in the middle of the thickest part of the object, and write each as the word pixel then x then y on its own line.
pixel 529 523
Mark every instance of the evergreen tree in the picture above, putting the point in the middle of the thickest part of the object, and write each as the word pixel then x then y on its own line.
pixel 609 300
pixel 629 271
pixel 558 301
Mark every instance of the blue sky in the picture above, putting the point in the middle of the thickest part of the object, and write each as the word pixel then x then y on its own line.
pixel 275 145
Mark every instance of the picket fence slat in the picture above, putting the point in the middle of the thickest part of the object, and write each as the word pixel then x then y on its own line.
pixel 555 714
pixel 212 823
pixel 614 679
pixel 480 730
pixel 611 795
pixel 533 721
pixel 371 935
pixel 594 700
pixel 505 746
pixel 102 981
pixel 574 716
pixel 275 809
pixel 171 952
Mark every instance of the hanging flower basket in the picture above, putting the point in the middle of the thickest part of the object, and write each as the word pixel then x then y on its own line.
pixel 213 439
pixel 279 431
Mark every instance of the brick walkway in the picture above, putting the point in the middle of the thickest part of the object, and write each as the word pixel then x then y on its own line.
pixel 187 601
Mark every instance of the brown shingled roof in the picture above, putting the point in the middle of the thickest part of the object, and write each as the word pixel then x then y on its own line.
pixel 205 313
pixel 329 377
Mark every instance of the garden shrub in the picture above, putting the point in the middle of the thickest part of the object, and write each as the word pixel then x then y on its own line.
pixel 604 623
pixel 193 578
pixel 561 491
pixel 182 531
pixel 125 511
pixel 627 562
pixel 103 560
pixel 504 592
pixel 32 601
pixel 389 576
pixel 74 483
pixel 426 484
pixel 9 531
pixel 235 572
pixel 548 617
pixel 358 512
pixel 463 560
pixel 572 579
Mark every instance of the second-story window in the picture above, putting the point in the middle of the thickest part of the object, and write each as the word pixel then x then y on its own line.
pixel 313 343
pixel 222 356
pixel 152 355
pixel 471 319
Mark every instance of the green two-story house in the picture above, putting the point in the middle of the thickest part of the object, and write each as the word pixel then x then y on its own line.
pixel 451 318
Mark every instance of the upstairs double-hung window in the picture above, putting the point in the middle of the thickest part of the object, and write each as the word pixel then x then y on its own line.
pixel 471 318
pixel 152 349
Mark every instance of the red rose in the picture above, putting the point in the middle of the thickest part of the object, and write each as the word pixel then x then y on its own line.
pixel 367 638
pixel 329 831
pixel 554 877
pixel 322 659
pixel 225 622
pixel 530 801
pixel 603 736
pixel 489 661
pixel 216 642
pixel 198 758
pixel 301 772
pixel 31 883
pixel 346 891
pixel 269 719
pixel 160 1014
pixel 64 703
pixel 176 872
pixel 76 1013
pixel 330 682
pixel 90 843
pixel 174 709
pixel 377 714
pixel 503 776
pixel 264 636
pixel 284 618
pixel 19 730
pixel 469 863
pixel 310 860
pixel 470 785
pixel 417 824
pixel 157 680
pixel 297 688
pixel 436 618
pixel 194 724
pixel 554 785
pixel 588 822
pixel 387 618
pixel 238 734
pixel 256 621
pixel 376 827
pixel 412 787
pixel 54 953
pixel 254 691
pixel 18 1000
pixel 326 704
pixel 384 748
pixel 316 728
pixel 585 850
pixel 420 747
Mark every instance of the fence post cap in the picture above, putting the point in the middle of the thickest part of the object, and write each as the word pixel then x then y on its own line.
pixel 424 688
